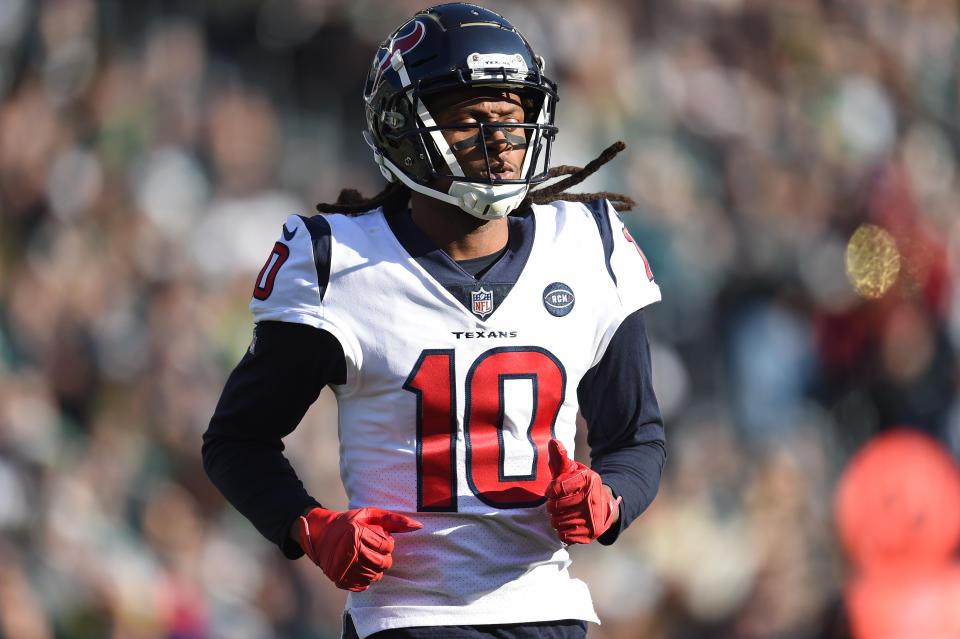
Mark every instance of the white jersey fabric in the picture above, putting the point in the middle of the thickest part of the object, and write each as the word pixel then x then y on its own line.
pixel 445 415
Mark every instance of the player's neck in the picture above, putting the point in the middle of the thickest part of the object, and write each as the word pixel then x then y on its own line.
pixel 459 234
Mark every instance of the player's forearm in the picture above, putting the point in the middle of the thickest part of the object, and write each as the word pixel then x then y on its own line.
pixel 625 428
pixel 632 473
pixel 271 498
pixel 264 399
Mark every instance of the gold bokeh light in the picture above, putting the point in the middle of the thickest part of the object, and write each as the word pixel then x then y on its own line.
pixel 873 261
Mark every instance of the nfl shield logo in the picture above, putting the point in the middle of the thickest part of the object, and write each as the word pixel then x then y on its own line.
pixel 482 302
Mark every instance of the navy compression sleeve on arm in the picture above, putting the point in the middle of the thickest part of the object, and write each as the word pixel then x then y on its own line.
pixel 624 426
pixel 264 399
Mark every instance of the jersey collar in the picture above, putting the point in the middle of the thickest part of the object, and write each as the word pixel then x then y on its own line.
pixel 446 271
pixel 495 284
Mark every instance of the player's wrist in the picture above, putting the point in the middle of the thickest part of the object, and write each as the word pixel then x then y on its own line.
pixel 614 504
pixel 317 517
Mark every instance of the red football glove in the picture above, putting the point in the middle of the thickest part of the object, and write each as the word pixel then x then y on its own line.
pixel 580 507
pixel 353 547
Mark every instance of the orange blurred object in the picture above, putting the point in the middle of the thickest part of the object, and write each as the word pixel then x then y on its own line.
pixel 897 504
pixel 902 604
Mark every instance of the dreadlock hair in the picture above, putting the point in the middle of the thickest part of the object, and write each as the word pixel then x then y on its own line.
pixel 396 195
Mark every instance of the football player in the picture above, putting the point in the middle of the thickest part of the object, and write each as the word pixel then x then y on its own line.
pixel 463 321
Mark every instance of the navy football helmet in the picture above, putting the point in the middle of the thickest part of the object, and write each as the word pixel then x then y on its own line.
pixel 445 48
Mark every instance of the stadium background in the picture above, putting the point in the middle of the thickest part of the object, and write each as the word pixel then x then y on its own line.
pixel 150 150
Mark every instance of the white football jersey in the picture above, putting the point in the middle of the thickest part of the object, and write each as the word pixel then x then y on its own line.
pixel 454 387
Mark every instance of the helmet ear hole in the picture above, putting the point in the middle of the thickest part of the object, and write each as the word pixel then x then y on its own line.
pixel 435 159
pixel 433 155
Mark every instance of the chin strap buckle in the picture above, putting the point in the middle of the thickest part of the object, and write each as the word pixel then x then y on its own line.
pixel 378 157
pixel 387 173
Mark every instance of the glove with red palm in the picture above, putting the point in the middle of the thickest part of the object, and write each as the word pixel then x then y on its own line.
pixel 580 507
pixel 353 547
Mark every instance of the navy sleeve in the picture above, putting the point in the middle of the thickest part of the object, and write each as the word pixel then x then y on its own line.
pixel 265 397
pixel 624 426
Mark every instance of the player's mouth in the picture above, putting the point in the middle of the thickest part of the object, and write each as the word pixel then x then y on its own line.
pixel 504 172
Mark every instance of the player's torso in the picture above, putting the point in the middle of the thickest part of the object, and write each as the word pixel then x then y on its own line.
pixel 452 395
pixel 454 387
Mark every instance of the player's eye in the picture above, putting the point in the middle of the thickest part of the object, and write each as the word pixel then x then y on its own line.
pixel 468 132
pixel 465 121
pixel 512 129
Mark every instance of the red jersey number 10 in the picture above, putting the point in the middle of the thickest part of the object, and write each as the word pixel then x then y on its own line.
pixel 433 381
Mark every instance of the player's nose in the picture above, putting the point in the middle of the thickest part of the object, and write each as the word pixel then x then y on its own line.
pixel 496 137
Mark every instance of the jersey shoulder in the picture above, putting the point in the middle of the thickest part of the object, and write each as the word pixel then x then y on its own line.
pixel 291 284
pixel 625 262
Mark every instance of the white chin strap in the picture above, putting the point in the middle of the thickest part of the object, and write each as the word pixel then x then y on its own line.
pixel 485 201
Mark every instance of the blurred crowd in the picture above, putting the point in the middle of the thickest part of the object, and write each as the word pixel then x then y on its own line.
pixel 796 167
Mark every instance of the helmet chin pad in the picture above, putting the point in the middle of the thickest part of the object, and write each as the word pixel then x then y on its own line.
pixel 488 201
pixel 484 201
